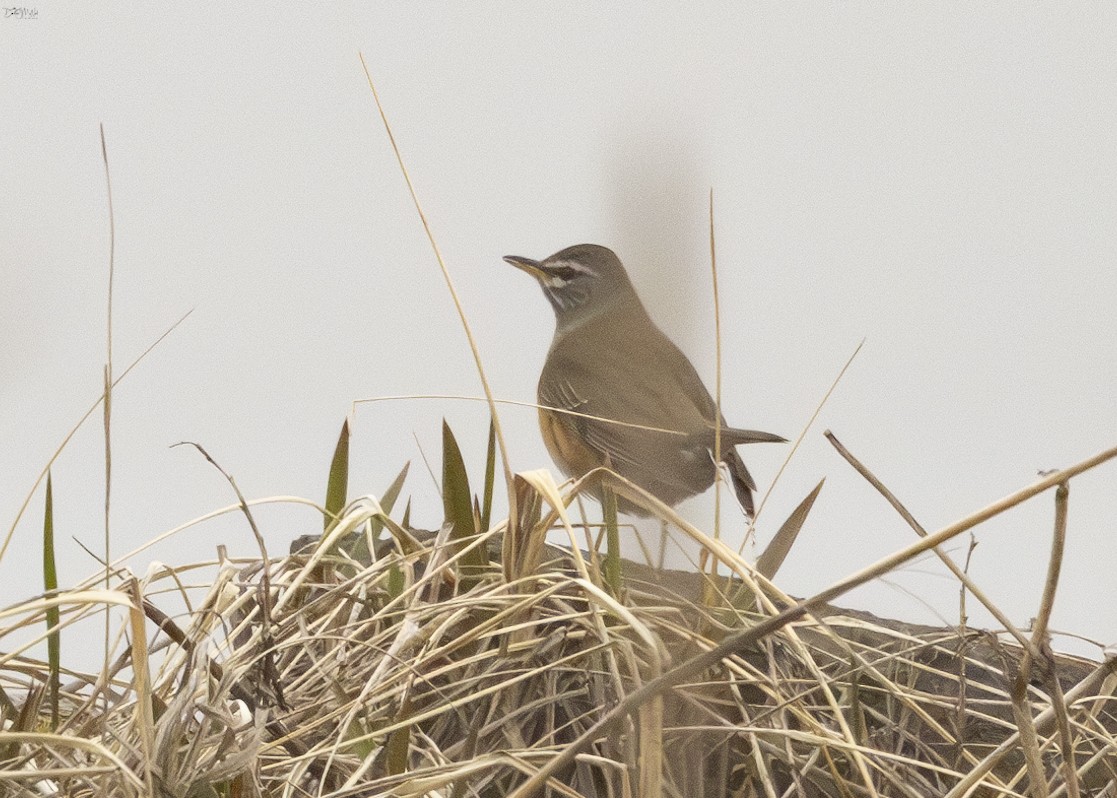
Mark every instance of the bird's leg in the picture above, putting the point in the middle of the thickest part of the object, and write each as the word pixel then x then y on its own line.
pixel 662 543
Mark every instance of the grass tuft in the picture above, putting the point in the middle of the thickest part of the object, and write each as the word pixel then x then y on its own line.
pixel 384 671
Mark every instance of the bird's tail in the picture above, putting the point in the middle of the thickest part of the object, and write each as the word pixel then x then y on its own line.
pixel 731 436
pixel 743 484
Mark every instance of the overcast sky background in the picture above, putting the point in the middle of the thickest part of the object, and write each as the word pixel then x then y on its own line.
pixel 940 181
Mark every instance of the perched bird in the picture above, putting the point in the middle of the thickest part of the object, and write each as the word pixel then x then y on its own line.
pixel 609 362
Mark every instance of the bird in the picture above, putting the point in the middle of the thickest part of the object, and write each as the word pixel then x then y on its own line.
pixel 609 363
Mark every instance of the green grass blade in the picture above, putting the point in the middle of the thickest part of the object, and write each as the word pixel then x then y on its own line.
pixel 612 564
pixel 360 551
pixel 396 582
pixel 490 478
pixel 337 489
pixel 769 562
pixel 50 585
pixel 357 545
pixel 397 749
pixel 388 500
pixel 456 499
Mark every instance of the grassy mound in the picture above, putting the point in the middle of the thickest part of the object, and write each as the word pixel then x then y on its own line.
pixel 380 660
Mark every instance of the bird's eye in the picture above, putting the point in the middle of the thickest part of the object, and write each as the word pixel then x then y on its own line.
pixel 567 273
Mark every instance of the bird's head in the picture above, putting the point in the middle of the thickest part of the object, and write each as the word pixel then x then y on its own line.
pixel 580 281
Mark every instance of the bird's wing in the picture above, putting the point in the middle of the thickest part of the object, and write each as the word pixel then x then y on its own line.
pixel 642 455
pixel 595 431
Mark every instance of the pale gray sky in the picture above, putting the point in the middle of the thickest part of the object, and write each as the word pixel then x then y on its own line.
pixel 940 180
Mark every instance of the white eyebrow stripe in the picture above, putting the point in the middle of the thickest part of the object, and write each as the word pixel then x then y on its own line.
pixel 573 265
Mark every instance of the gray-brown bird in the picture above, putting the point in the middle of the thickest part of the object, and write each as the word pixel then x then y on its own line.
pixel 610 361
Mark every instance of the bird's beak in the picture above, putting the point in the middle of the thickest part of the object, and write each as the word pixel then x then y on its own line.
pixel 532 267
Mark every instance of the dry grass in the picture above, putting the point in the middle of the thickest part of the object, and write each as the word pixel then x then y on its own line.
pixel 415 671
